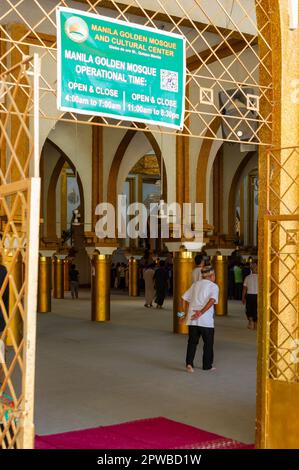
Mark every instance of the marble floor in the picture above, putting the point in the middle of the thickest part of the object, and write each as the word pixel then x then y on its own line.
pixel 90 374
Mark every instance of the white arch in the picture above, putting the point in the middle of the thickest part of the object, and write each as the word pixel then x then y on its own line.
pixel 76 143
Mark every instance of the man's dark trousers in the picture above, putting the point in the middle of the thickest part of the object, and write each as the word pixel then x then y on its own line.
pixel 195 332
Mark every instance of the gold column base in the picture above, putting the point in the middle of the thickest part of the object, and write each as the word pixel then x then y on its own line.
pixel 221 271
pixel 58 289
pixel 44 285
pixel 15 329
pixel 282 401
pixel 133 277
pixel 183 264
pixel 100 288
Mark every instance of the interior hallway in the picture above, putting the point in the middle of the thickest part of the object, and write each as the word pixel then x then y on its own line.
pixel 90 374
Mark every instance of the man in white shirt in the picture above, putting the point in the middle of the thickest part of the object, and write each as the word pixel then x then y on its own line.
pixel 199 303
pixel 196 273
pixel 249 297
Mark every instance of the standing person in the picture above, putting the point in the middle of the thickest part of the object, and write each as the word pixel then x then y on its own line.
pixel 206 258
pixel 5 300
pixel 238 277
pixel 245 270
pixel 236 256
pixel 74 281
pixel 231 281
pixel 112 275
pixel 148 276
pixel 199 303
pixel 249 297
pixel 161 279
pixel 169 268
pixel 116 281
pixel 196 273
pixel 146 259
pixel 122 276
pixel 127 277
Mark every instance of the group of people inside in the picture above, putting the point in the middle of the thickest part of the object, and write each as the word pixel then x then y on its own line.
pixel 243 285
pixel 155 284
pixel 119 276
pixel 155 278
pixel 238 269
pixel 197 302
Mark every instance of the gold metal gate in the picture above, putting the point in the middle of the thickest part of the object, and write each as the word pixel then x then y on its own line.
pixel 19 216
pixel 229 51
pixel 278 379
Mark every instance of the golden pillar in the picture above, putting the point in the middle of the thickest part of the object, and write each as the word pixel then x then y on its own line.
pixel 133 277
pixel 221 271
pixel 58 286
pixel 66 272
pixel 183 264
pixel 100 295
pixel 15 329
pixel 52 274
pixel 277 371
pixel 44 284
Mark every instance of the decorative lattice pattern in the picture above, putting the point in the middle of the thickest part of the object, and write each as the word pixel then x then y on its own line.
pixel 228 56
pixel 282 264
pixel 283 181
pixel 17 327
pixel 283 299
pixel 12 308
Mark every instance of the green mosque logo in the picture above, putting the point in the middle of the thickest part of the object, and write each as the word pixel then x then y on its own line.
pixel 76 29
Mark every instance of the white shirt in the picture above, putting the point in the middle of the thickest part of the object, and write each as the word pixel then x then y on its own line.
pixel 196 274
pixel 251 282
pixel 198 296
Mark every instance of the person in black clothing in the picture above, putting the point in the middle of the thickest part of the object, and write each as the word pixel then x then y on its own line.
pixel 246 270
pixel 5 297
pixel 161 283
pixel 231 281
pixel 5 300
pixel 74 281
pixel 112 275
pixel 122 276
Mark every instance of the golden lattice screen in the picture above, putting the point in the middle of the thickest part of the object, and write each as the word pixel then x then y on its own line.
pixel 19 218
pixel 228 56
pixel 281 274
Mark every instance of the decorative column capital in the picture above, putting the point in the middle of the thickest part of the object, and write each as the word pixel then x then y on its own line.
pixel 47 253
pixel 103 250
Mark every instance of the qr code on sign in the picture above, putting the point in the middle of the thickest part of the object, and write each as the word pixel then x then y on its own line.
pixel 169 80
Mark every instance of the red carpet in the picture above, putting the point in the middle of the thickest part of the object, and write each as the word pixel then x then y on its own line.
pixel 155 433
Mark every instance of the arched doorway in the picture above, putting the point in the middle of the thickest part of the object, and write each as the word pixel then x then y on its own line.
pixel 230 43
pixel 134 171
pixel 240 196
pixel 119 157
pixel 63 210
pixel 143 184
pixel 71 190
